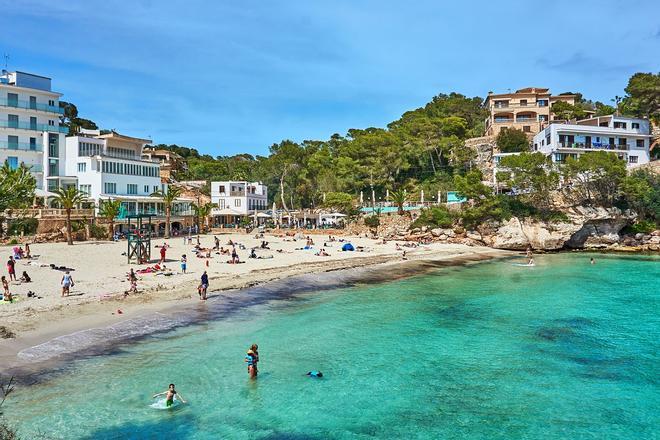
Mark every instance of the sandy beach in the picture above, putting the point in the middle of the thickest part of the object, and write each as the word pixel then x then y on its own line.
pixel 99 270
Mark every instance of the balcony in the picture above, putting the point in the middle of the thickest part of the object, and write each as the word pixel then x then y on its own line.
pixel 595 146
pixel 34 127
pixel 36 168
pixel 26 105
pixel 22 146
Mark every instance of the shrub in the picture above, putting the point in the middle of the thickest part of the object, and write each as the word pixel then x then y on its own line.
pixel 435 217
pixel 641 226
pixel 27 226
pixel 511 140
pixel 372 221
pixel 97 231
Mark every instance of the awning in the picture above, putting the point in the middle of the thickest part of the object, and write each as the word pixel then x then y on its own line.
pixel 41 193
pixel 262 215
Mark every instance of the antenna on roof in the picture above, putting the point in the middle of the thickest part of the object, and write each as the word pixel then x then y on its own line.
pixel 6 60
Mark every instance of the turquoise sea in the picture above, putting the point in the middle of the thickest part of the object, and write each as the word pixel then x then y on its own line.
pixel 563 350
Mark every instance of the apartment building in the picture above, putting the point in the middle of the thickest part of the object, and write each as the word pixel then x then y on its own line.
pixel 30 131
pixel 111 166
pixel 236 199
pixel 628 138
pixel 526 109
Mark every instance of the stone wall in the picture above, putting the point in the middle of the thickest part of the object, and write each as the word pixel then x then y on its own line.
pixel 484 146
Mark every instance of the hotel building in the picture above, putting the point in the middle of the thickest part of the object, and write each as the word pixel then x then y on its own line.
pixel 236 199
pixel 527 110
pixel 30 131
pixel 628 138
pixel 110 166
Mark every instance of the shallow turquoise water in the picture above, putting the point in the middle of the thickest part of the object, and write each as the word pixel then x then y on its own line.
pixel 561 350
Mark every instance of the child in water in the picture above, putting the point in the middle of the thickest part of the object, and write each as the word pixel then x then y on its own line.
pixel 251 360
pixel 169 396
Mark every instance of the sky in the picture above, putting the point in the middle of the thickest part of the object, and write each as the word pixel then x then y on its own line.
pixel 229 77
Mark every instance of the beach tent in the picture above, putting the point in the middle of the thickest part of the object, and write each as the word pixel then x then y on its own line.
pixel 347 247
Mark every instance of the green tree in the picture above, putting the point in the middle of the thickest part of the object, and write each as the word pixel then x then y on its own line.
pixel 110 209
pixel 168 197
pixel 339 201
pixel 593 179
pixel 17 187
pixel 68 198
pixel 202 213
pixel 641 189
pixel 643 96
pixel 70 119
pixel 534 176
pixel 512 140
pixel 399 197
pixel 564 110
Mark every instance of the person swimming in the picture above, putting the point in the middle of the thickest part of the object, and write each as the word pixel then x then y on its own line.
pixel 314 373
pixel 169 396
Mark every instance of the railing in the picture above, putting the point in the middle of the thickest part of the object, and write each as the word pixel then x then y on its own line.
pixel 530 104
pixel 36 127
pixel 595 146
pixel 5 145
pixel 36 168
pixel 52 212
pixel 31 106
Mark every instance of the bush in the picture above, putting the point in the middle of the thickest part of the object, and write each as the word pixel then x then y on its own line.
pixel 372 221
pixel 13 241
pixel 435 217
pixel 27 226
pixel 97 231
pixel 641 226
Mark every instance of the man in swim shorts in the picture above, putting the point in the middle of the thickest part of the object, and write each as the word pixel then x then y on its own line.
pixel 169 396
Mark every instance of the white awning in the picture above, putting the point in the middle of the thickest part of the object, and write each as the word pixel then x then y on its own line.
pixel 41 193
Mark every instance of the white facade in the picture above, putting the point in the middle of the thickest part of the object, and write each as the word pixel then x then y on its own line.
pixel 238 197
pixel 628 138
pixel 30 131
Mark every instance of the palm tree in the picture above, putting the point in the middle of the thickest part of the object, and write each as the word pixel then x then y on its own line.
pixel 68 198
pixel 399 197
pixel 202 212
pixel 169 198
pixel 110 209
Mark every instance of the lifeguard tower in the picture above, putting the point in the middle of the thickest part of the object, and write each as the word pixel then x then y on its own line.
pixel 139 238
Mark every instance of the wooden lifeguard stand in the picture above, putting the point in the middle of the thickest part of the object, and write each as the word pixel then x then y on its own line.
pixel 139 238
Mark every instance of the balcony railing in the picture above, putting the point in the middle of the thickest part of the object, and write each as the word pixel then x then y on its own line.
pixel 35 127
pixel 36 168
pixel 595 146
pixel 31 106
pixel 24 146
pixel 517 105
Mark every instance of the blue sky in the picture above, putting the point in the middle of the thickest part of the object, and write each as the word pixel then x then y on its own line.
pixel 237 76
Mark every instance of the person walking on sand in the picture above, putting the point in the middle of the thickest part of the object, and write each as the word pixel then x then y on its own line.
pixel 67 283
pixel 169 396
pixel 11 268
pixel 132 278
pixel 203 286
pixel 184 261
pixel 163 251
pixel 28 255
pixel 5 285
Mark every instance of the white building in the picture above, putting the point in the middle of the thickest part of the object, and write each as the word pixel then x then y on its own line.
pixel 110 166
pixel 628 138
pixel 235 199
pixel 30 131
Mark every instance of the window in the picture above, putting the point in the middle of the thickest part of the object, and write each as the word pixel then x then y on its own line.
pixel 85 189
pixel 12 121
pixel 110 188
pixel 542 102
pixel 543 118
pixel 619 124
pixel 639 143
pixel 53 167
pixel 51 122
pixel 632 159
pixel 237 203
pixel 155 188
pixel 33 144
pixel 131 188
pixel 222 188
pixel 146 189
pixel 33 102
pixel 51 103
pixel 635 125
pixel 12 142
pixel 527 128
pixel 13 162
pixel 12 99
pixel 82 167
pixel 523 102
pixel 221 203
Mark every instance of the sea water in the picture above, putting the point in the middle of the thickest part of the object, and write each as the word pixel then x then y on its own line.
pixel 565 349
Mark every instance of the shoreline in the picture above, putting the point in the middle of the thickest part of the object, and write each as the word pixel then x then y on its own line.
pixel 99 332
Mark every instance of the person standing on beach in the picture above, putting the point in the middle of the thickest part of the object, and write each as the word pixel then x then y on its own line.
pixel 163 251
pixel 132 278
pixel 184 262
pixel 203 286
pixel 11 268
pixel 217 244
pixel 5 286
pixel 27 250
pixel 67 283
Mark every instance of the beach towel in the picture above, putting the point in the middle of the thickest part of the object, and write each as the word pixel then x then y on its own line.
pixel 347 247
